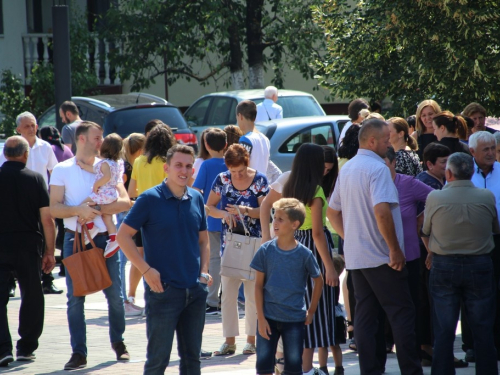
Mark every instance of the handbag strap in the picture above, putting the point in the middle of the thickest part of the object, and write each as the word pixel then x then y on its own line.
pixel 91 240
pixel 78 242
pixel 247 232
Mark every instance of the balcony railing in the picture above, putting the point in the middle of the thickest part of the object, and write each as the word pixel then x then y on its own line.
pixel 38 48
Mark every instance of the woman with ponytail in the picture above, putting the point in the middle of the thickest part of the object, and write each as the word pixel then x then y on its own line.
pixel 407 160
pixel 449 129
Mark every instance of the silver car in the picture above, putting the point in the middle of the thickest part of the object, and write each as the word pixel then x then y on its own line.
pixel 286 135
pixel 219 109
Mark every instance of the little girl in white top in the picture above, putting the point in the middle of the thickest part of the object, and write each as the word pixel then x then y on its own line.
pixel 108 173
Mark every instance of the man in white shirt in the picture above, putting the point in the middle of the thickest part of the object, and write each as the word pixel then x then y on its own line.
pixel 268 109
pixel 68 111
pixel 256 143
pixel 41 159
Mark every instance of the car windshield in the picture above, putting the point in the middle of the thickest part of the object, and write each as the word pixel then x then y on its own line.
pixel 134 120
pixel 297 106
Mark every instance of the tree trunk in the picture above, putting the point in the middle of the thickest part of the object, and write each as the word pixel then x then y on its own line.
pixel 254 43
pixel 238 80
pixel 235 52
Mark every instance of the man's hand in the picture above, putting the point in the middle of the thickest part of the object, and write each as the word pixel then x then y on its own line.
pixel 153 279
pixel 264 329
pixel 87 213
pixel 48 263
pixel 428 261
pixel 202 280
pixel 397 260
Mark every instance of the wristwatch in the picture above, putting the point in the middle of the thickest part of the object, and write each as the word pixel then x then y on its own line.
pixel 206 276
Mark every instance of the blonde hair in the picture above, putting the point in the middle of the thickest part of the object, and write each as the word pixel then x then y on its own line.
pixel 133 143
pixel 293 209
pixel 366 114
pixel 419 125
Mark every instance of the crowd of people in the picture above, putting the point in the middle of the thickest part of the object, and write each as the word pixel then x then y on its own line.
pixel 414 203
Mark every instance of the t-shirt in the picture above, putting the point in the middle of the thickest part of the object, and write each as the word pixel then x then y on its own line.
pixel 286 274
pixel 258 147
pixel 77 184
pixel 170 233
pixel 148 175
pixel 209 171
pixel 68 134
pixel 23 193
pixel 308 221
pixel 278 185
pixel 196 166
pixel 62 155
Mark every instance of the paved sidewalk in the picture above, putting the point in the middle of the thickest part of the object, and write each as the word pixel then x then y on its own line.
pixel 55 349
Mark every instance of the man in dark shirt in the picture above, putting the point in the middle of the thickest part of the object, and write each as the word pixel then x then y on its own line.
pixel 25 211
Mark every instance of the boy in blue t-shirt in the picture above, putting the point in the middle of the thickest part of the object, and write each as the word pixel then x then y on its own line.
pixel 215 142
pixel 283 266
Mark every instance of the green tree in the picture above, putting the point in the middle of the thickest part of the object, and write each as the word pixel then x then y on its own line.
pixel 411 50
pixel 209 39
pixel 12 101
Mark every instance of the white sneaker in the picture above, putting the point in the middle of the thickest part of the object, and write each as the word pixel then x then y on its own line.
pixel 111 248
pixel 93 232
pixel 132 310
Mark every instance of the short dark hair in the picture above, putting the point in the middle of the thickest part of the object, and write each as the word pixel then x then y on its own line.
pixel 435 150
pixel 233 133
pixel 69 106
pixel 355 107
pixel 370 128
pixel 216 139
pixel 84 127
pixel 151 124
pixel 461 165
pixel 112 147
pixel 248 109
pixel 350 144
pixel 183 149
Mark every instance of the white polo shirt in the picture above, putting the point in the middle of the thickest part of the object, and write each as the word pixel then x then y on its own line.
pixel 41 159
pixel 268 110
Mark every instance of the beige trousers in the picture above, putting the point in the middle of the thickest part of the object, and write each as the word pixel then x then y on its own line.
pixel 229 307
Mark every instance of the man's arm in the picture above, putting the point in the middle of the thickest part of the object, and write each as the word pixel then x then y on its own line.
pixel 49 231
pixel 60 210
pixel 335 219
pixel 385 223
pixel 120 205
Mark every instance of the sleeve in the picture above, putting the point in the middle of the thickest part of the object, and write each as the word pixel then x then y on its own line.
pixel 198 162
pixel 312 266
pixel 44 194
pixel 217 184
pixel 280 113
pixel 280 182
pixel 139 213
pixel 203 222
pixel 200 181
pixel 261 186
pixel 426 228
pixel 66 135
pixel 382 188
pixel 420 191
pixel 52 159
pixel 57 177
pixel 247 143
pixel 335 201
pixel 257 262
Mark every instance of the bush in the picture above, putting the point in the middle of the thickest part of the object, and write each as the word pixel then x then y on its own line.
pixel 12 101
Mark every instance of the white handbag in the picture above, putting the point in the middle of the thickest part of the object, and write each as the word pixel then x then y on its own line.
pixel 238 254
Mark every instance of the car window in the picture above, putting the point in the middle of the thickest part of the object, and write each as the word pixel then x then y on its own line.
pixel 220 110
pixel 298 106
pixel 196 114
pixel 48 118
pixel 321 134
pixel 232 113
pixel 134 120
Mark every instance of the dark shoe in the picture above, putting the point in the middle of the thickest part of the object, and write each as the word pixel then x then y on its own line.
pixel 352 345
pixel 339 370
pixel 121 351
pixel 12 292
pixel 76 361
pixel 25 357
pixel 204 354
pixel 5 359
pixel 426 358
pixel 460 363
pixel 212 310
pixel 470 356
pixel 51 289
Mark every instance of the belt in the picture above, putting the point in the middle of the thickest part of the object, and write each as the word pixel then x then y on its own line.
pixel 98 234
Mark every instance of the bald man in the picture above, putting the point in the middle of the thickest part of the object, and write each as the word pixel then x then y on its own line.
pixel 25 210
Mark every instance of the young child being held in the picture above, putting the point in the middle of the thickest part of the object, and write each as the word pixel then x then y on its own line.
pixel 108 173
pixel 283 266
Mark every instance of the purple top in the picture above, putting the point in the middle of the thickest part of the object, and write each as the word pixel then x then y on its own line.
pixel 62 155
pixel 411 192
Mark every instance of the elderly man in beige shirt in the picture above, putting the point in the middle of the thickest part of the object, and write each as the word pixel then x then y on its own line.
pixel 459 222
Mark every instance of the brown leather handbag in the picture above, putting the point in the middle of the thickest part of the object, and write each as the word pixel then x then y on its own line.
pixel 87 267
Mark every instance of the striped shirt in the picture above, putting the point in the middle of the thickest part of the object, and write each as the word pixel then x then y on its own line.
pixel 364 182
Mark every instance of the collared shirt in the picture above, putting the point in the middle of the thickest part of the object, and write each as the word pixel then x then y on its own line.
pixel 170 232
pixel 460 219
pixel 363 182
pixel 41 159
pixel 268 110
pixel 490 182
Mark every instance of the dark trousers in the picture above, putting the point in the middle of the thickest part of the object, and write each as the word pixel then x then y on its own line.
pixel 467 338
pixel 384 287
pixel 424 317
pixel 27 266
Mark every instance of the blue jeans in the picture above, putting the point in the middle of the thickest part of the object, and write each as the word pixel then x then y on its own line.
pixel 469 279
pixel 175 310
pixel 293 345
pixel 123 258
pixel 75 312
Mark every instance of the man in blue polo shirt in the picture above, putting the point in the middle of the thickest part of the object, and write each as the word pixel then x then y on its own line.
pixel 176 253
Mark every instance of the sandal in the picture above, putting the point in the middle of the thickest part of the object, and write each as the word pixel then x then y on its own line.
pixel 279 361
pixel 225 349
pixel 249 349
pixel 352 345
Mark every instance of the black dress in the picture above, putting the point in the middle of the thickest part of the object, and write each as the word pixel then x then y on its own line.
pixel 454 145
pixel 423 140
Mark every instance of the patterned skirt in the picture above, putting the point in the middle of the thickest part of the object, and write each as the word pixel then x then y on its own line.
pixel 321 332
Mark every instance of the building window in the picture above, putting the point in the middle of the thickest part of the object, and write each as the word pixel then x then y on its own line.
pixel 1 18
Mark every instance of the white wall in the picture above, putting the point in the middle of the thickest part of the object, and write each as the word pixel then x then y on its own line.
pixel 11 44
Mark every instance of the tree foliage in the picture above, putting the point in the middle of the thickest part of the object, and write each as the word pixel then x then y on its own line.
pixel 12 101
pixel 208 39
pixel 411 50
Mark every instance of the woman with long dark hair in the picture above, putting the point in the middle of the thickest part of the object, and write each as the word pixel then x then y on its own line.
pixel 449 129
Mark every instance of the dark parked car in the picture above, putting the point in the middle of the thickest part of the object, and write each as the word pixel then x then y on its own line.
pixel 127 113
